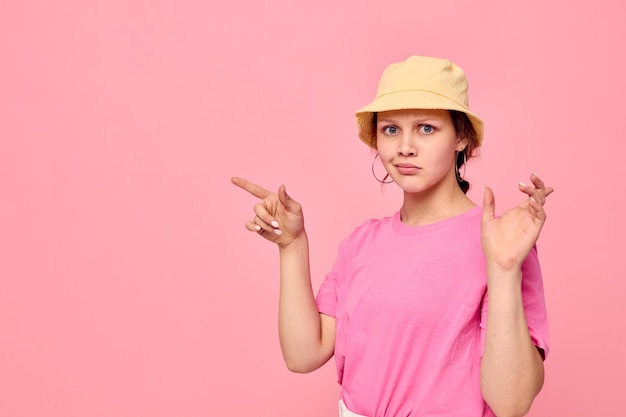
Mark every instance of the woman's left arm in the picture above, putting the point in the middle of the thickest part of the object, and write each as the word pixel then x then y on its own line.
pixel 512 367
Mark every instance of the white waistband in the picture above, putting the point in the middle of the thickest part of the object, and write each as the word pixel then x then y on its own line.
pixel 344 412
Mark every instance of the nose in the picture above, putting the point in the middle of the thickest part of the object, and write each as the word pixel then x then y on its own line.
pixel 407 145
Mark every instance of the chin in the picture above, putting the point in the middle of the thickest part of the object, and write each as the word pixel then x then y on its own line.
pixel 412 188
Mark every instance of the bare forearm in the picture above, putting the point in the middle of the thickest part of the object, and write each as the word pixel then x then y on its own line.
pixel 298 318
pixel 511 368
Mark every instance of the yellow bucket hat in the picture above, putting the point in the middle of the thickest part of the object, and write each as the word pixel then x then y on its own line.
pixel 420 82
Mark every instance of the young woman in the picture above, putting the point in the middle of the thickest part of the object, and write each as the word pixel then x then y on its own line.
pixel 437 310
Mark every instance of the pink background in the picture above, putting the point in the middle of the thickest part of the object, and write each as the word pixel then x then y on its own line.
pixel 128 284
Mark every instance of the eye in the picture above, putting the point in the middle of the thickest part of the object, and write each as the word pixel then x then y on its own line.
pixel 427 129
pixel 390 130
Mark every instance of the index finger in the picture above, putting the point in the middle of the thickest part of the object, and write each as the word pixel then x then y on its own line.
pixel 250 187
pixel 537 181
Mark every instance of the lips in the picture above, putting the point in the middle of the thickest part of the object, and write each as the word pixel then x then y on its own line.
pixel 407 169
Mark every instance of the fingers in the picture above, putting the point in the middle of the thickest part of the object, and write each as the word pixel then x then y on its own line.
pixel 489 204
pixel 537 181
pixel 539 185
pixel 537 190
pixel 254 227
pixel 536 209
pixel 250 187
pixel 537 195
pixel 531 192
pixel 260 227
pixel 265 220
pixel 271 205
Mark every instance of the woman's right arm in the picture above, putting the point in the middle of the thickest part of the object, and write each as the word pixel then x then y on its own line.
pixel 307 338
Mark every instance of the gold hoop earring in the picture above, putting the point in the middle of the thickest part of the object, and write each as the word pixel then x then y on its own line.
pixel 374 172
pixel 458 164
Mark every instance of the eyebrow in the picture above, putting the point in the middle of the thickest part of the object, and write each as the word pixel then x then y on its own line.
pixel 419 119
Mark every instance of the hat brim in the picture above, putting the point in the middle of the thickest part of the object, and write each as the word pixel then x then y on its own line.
pixel 408 100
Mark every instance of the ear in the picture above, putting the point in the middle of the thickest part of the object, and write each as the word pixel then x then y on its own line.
pixel 461 144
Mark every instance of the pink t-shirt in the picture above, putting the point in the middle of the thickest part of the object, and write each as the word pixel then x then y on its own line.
pixel 411 307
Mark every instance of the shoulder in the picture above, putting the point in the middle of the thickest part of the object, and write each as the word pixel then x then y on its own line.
pixel 367 231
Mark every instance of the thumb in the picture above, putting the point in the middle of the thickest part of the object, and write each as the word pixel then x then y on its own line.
pixel 489 204
pixel 284 198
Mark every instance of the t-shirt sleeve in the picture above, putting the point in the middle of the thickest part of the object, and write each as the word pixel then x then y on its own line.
pixel 534 303
pixel 327 295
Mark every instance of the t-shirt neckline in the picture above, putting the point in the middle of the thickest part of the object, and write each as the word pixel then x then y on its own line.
pixel 447 222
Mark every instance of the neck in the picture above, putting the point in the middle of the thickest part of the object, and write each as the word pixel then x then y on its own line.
pixel 433 205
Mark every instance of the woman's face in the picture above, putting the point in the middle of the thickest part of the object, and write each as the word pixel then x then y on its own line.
pixel 417 148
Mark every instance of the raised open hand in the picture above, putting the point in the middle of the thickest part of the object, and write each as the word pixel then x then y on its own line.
pixel 278 218
pixel 508 239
